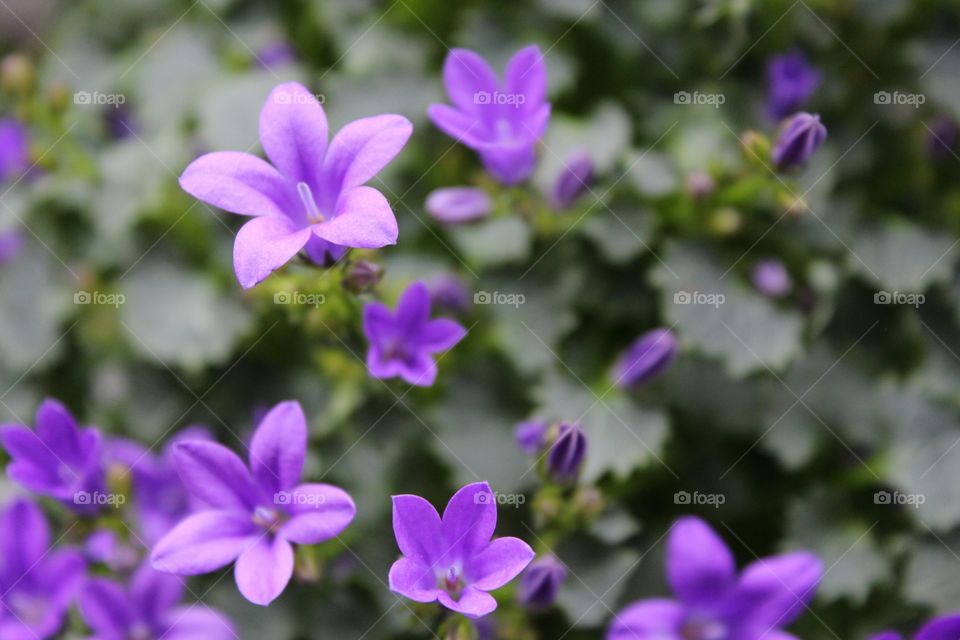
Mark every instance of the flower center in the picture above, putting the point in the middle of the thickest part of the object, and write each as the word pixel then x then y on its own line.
pixel 140 631
pixel 306 197
pixel 267 518
pixel 701 629
pixel 452 582
pixel 30 609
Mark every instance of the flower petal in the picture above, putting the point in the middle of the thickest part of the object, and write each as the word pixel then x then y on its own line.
pixel 499 563
pixel 442 334
pixel 364 220
pixel 466 73
pixel 279 447
pixel 526 75
pixel 378 323
pixel 237 182
pixel 105 608
pixel 153 593
pixel 470 519
pixel 263 245
pixel 413 309
pixel 454 205
pixel 648 620
pixel 321 511
pixel 204 542
pixel 56 425
pixel 700 567
pixel 193 621
pixel 779 588
pixel 464 128
pixel 293 132
pixel 416 526
pixel 420 370
pixel 361 149
pixel 24 539
pixel 263 571
pixel 215 475
pixel 414 580
pixel 945 628
pixel 473 603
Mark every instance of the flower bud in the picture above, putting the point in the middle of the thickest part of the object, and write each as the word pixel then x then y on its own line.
pixel 700 184
pixel 449 292
pixel 791 80
pixel 802 135
pixel 17 74
pixel 771 278
pixel 567 453
pixel 646 358
pixel 531 435
pixel 575 178
pixel 362 276
pixel 725 221
pixel 540 583
pixel 456 205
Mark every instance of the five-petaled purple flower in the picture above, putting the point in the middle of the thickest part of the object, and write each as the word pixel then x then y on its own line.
pixel 252 515
pixel 791 79
pixel 312 197
pixel 500 121
pixel 402 342
pixel 37 583
pixel 453 559
pixel 801 136
pixel 148 609
pixel 713 602
pixel 59 459
pixel 942 628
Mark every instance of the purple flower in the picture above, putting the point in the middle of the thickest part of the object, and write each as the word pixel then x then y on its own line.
pixel 104 546
pixel 700 184
pixel 791 79
pixel 37 583
pixel 541 582
pixel 448 292
pixel 311 197
pixel 713 602
pixel 576 178
pixel 943 628
pixel 252 515
pixel 14 149
pixel 402 343
pixel 58 460
pixel 567 453
pixel 453 559
pixel 276 54
pixel 148 609
pixel 455 205
pixel 943 138
pixel 771 278
pixel 500 121
pixel 11 243
pixel 802 135
pixel 646 358
pixel 531 435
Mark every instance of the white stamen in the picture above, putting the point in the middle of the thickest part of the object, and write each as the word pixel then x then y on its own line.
pixel 306 196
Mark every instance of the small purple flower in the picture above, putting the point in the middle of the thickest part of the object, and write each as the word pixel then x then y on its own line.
pixel 943 138
pixel 402 342
pixel 312 196
pixel 502 122
pixel 14 149
pixel 646 358
pixel 791 80
pixel 541 582
pixel 771 278
pixel 148 609
pixel 531 435
pixel 700 184
pixel 453 559
pixel 567 453
pixel 713 602
pixel 37 583
pixel 802 135
pixel 575 179
pixel 448 292
pixel 943 628
pixel 252 515
pixel 276 54
pixel 362 276
pixel 104 546
pixel 58 460
pixel 11 243
pixel 455 205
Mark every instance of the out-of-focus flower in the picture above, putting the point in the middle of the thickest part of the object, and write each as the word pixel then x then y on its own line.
pixel 502 122
pixel 943 628
pixel 575 179
pixel 541 582
pixel 567 453
pixel 943 138
pixel 105 547
pixel 148 609
pixel 312 196
pixel 402 342
pixel 38 583
pixel 455 205
pixel 362 276
pixel 453 559
pixel 531 435
pixel 646 358
pixel 448 292
pixel 14 149
pixel 802 135
pixel 58 459
pixel 276 54
pixel 771 278
pixel 712 600
pixel 700 184
pixel 791 80
pixel 11 244
pixel 252 515
pixel 119 121
pixel 17 74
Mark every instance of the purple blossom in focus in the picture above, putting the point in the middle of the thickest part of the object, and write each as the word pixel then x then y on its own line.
pixel 37 583
pixel 567 453
pixel 14 149
pixel 148 609
pixel 312 196
pixel 501 121
pixel 453 559
pixel 791 80
pixel 455 205
pixel 402 342
pixel 575 178
pixel 771 278
pixel 541 582
pixel 799 139
pixel 252 515
pixel 712 601
pixel 531 435
pixel 943 628
pixel 646 358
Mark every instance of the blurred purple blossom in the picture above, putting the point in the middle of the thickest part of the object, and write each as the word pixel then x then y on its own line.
pixel 531 435
pixel 646 358
pixel 575 178
pixel 14 149
pixel 541 582
pixel 943 138
pixel 791 80
pixel 104 546
pixel 274 54
pixel 771 278
pixel 449 292
pixel 455 205
pixel 11 244
pixel 942 628
pixel 567 453
pixel 798 140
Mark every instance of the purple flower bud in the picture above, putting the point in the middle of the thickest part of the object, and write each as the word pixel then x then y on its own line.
pixel 575 178
pixel 944 135
pixel 647 357
pixel 455 205
pixel 700 184
pixel 11 243
pixel 276 54
pixel 531 435
pixel 449 292
pixel 567 453
pixel 801 136
pixel 14 149
pixel 771 278
pixel 540 583
pixel 362 276
pixel 790 82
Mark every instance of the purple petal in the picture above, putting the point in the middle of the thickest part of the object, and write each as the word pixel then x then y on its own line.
pixel 464 74
pixel 414 580
pixel 441 334
pixel 416 526
pixel 378 323
pixel 55 424
pixel 361 149
pixel 499 563
pixel 24 539
pixel 526 75
pixel 320 512
pixel 888 635
pixel 263 570
pixel 105 608
pixel 34 465
pixel 364 220
pixel 648 619
pixel 153 593
pixel 458 204
pixel 413 308
pixel 204 542
pixel 945 628
pixel 293 132
pixel 700 567
pixel 512 164
pixel 263 245
pixel 470 519
pixel 279 447
pixel 464 128
pixel 779 588
pixel 194 621
pixel 473 603
pixel 237 182
pixel 215 475
pixel 420 370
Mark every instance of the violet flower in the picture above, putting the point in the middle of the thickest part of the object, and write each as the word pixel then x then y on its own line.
pixel 502 122
pixel 567 453
pixel 14 149
pixel 148 609
pixel 802 135
pixel 771 278
pixel 646 358
pixel 455 205
pixel 575 179
pixel 11 244
pixel 254 514
pixel 58 460
pixel 104 546
pixel 312 196
pixel 943 138
pixel 37 583
pixel 943 628
pixel 531 435
pixel 453 559
pixel 713 602
pixel 791 80
pixel 541 582
pixel 450 293
pixel 402 342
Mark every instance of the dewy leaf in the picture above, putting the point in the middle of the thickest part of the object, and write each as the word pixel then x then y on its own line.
pixel 902 257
